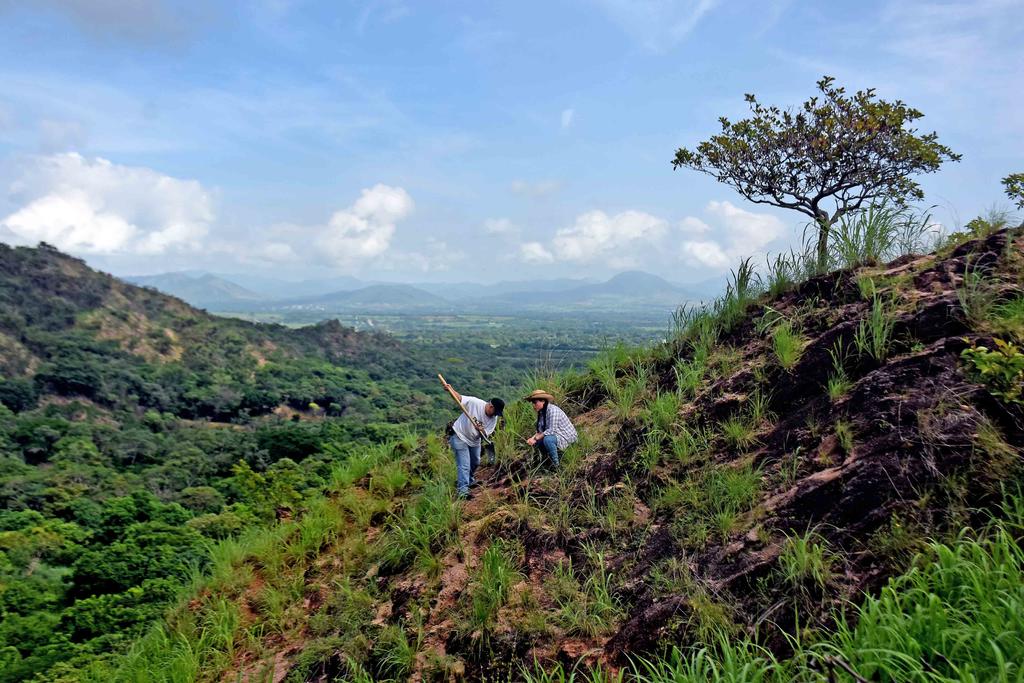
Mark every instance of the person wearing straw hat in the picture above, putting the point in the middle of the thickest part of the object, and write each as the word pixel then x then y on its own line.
pixel 554 428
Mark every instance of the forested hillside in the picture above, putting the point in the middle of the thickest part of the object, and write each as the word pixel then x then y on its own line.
pixel 66 330
pixel 135 429
pixel 815 479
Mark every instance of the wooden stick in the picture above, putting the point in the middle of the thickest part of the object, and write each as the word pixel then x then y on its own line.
pixel 472 420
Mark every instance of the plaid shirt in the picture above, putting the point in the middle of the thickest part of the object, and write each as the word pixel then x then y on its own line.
pixel 558 423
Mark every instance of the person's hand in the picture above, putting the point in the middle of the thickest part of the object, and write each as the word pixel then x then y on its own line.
pixel 532 441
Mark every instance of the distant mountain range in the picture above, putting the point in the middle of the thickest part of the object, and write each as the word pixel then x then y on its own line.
pixel 631 291
pixel 199 289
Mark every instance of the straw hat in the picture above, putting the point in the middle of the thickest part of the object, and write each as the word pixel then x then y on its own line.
pixel 539 393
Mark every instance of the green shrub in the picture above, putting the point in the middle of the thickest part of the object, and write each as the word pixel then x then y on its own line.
pixel 1001 370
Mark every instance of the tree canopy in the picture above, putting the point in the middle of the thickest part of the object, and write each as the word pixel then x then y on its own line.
pixel 834 154
pixel 1014 186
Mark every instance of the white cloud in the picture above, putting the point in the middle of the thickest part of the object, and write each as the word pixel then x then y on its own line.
pixel 596 234
pixel 535 252
pixel 705 253
pixel 694 226
pixel 98 207
pixel 739 234
pixel 567 117
pixel 500 226
pixel 276 252
pixel 364 230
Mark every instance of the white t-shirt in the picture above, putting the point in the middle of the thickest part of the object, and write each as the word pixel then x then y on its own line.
pixel 465 430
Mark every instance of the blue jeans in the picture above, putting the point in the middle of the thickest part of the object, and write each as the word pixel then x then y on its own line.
pixel 467 459
pixel 549 446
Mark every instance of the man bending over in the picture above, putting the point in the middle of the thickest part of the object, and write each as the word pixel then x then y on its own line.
pixel 466 441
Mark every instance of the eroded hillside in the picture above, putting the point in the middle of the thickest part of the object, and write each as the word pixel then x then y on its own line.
pixel 754 478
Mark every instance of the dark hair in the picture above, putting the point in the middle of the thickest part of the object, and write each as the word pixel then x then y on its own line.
pixel 499 405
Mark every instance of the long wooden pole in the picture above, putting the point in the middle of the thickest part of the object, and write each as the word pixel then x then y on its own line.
pixel 472 420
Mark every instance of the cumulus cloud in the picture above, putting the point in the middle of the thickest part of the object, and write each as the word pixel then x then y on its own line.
pixel 98 207
pixel 365 229
pixel 536 253
pixel 596 234
pixel 739 234
pixel 617 241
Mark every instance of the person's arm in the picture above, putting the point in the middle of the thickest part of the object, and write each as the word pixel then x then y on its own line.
pixel 533 440
pixel 456 395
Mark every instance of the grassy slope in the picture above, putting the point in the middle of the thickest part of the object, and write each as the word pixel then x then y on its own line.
pixel 754 478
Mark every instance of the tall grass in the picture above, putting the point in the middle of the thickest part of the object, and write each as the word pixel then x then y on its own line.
pixel 976 298
pixel 702 325
pixel 806 559
pixel 739 431
pixel 838 381
pixel 586 605
pixel 496 576
pixel 788 344
pixel 866 237
pixel 880 233
pixel 662 412
pixel 956 616
pixel 626 394
pixel 428 526
pixel 1008 317
pixel 874 334
pixel 787 269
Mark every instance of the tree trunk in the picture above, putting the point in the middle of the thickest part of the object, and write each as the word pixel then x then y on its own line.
pixel 823 229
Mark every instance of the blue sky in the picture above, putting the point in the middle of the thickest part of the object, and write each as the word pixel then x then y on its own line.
pixel 411 141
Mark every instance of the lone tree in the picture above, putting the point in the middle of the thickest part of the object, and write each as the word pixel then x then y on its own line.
pixel 826 159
